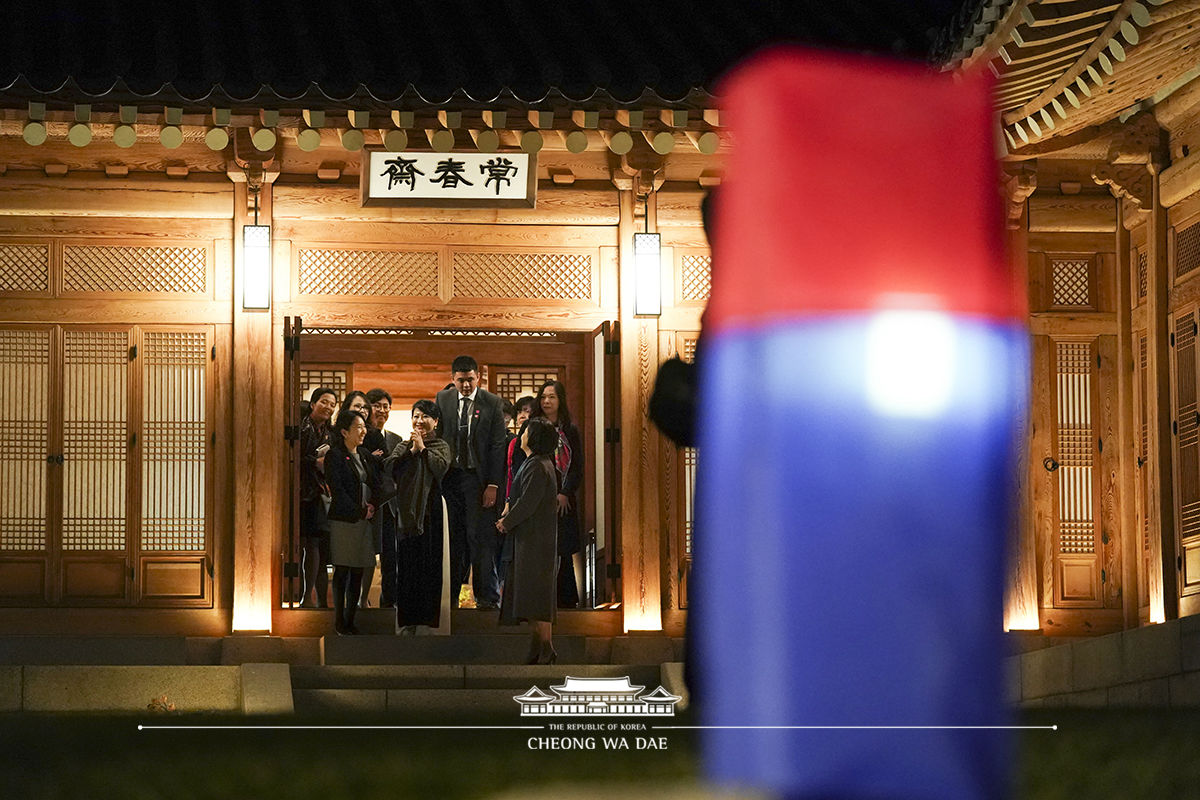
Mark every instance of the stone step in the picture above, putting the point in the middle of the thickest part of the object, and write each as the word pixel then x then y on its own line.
pixel 457 649
pixel 94 650
pixel 422 704
pixel 484 648
pixel 477 676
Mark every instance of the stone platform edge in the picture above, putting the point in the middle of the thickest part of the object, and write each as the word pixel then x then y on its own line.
pixel 250 689
pixel 1156 666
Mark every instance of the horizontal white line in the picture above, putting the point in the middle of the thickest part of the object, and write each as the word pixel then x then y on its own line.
pixel 856 727
pixel 339 727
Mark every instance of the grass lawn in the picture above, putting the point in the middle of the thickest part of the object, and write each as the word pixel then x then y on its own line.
pixel 1101 754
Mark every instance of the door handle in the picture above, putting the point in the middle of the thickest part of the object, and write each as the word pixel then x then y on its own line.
pixel 1050 464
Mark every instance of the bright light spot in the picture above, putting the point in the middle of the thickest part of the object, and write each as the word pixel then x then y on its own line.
pixel 910 363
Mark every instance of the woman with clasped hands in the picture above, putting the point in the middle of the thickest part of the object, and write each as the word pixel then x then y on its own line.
pixel 418 467
pixel 530 544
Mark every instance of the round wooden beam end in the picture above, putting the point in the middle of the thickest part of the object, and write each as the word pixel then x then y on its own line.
pixel 662 142
pixel 217 139
pixel 124 136
pixel 708 142
pixel 80 134
pixel 308 140
pixel 393 140
pixel 577 141
pixel 264 139
pixel 531 141
pixel 442 141
pixel 621 143
pixel 487 141
pixel 34 133
pixel 353 139
pixel 170 136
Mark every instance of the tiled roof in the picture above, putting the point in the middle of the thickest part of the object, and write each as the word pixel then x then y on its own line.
pixel 387 54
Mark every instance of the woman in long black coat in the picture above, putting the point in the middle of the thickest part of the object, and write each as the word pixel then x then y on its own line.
pixel 314 531
pixel 418 466
pixel 568 463
pixel 530 545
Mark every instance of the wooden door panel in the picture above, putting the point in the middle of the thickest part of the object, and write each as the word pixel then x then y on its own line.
pixel 165 579
pixel 1076 551
pixel 174 509
pixel 95 580
pixel 25 471
pixel 22 580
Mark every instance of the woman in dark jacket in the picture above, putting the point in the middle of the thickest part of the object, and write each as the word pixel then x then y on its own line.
pixel 351 476
pixel 314 535
pixel 551 405
pixel 530 543
pixel 418 466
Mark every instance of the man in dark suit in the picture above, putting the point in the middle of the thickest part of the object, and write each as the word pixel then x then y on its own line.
pixel 473 425
pixel 381 443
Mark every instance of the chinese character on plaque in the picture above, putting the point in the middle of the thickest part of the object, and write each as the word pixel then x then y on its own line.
pixel 449 180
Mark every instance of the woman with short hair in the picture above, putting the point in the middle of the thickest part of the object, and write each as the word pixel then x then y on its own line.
pixel 530 542
pixel 418 466
pixel 351 476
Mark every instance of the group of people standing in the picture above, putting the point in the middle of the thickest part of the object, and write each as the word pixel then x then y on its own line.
pixel 511 497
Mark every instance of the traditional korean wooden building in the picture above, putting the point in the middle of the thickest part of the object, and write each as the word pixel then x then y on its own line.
pixel 1099 118
pixel 149 399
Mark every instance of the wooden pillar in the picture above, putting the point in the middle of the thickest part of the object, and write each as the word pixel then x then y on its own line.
pixel 257 435
pixel 1021 596
pixel 1163 596
pixel 1127 426
pixel 640 525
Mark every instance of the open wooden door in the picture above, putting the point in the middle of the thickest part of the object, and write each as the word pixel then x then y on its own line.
pixel 291 422
pixel 600 553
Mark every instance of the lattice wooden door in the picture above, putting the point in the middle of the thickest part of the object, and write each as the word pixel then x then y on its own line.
pixel 1185 427
pixel 1075 552
pixel 108 499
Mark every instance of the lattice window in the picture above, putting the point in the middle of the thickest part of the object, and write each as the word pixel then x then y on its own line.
pixel 1187 249
pixel 95 399
pixel 696 276
pixel 1142 273
pixel 538 276
pixel 174 444
pixel 1076 519
pixel 689 498
pixel 1069 279
pixel 135 269
pixel 370 273
pixel 316 377
pixel 689 350
pixel 334 331
pixel 24 268
pixel 25 430
pixel 512 384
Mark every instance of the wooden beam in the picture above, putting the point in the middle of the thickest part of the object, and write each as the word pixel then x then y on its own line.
pixel 580 204
pixel 1076 213
pixel 1180 180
